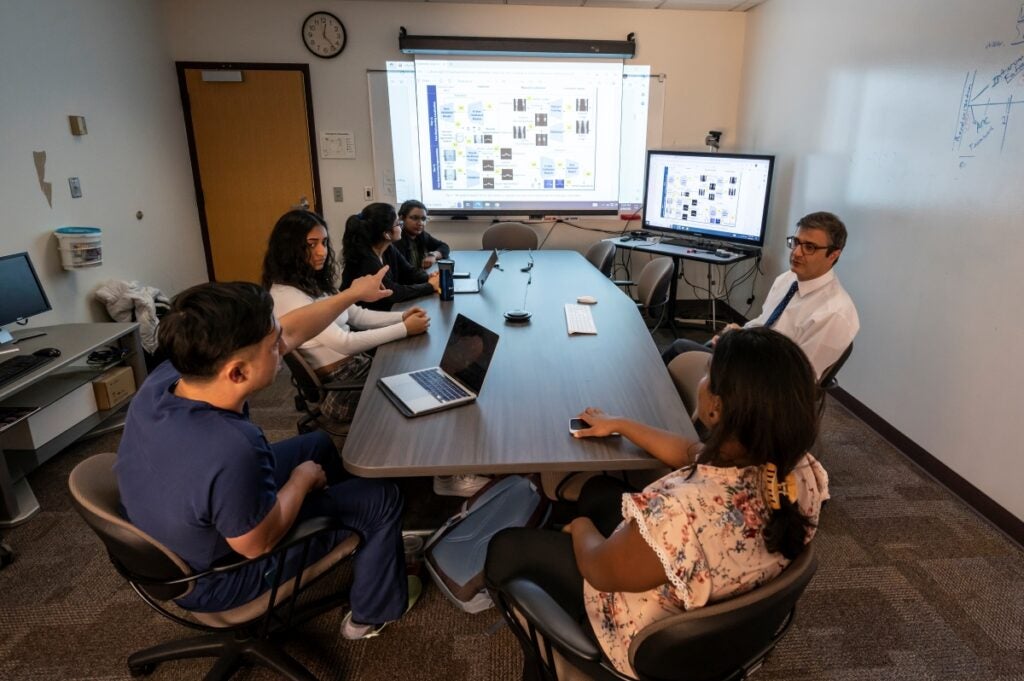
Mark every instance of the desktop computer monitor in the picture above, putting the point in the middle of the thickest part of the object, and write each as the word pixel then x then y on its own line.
pixel 23 294
pixel 708 195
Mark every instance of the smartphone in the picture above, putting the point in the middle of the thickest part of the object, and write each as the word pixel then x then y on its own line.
pixel 577 424
pixel 460 275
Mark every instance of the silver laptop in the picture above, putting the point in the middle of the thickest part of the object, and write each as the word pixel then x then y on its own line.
pixel 470 286
pixel 457 381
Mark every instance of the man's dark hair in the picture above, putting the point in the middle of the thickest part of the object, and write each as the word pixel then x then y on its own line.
pixel 769 397
pixel 408 206
pixel 366 229
pixel 287 258
pixel 209 323
pixel 828 223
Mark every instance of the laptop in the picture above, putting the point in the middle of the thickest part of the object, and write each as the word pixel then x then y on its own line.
pixel 457 381
pixel 470 286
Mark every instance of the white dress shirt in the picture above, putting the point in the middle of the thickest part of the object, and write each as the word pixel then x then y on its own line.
pixel 339 340
pixel 821 317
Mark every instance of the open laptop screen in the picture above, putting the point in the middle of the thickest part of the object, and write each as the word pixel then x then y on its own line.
pixel 469 352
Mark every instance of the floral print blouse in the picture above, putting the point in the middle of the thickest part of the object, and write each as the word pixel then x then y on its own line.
pixel 706 530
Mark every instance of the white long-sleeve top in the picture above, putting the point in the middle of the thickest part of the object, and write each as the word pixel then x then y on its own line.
pixel 339 340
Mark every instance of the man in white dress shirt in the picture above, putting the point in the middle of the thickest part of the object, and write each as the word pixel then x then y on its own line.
pixel 807 303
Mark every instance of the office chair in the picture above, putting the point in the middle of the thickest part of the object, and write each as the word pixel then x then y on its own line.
pixel 243 635
pixel 310 392
pixel 686 371
pixel 602 256
pixel 652 288
pixel 724 641
pixel 509 236
pixel 828 379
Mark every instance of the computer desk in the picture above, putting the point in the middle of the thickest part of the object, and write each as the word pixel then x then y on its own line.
pixel 539 378
pixel 678 253
pixel 56 390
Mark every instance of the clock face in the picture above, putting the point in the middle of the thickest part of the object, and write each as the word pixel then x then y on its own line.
pixel 324 34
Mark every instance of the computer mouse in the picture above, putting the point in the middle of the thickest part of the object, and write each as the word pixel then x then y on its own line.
pixel 47 352
pixel 586 300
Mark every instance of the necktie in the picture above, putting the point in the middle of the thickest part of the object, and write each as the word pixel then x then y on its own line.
pixel 777 312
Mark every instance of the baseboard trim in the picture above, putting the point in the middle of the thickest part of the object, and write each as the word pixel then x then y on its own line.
pixel 1012 526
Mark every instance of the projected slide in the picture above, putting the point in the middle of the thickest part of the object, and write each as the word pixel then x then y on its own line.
pixel 512 137
pixel 515 138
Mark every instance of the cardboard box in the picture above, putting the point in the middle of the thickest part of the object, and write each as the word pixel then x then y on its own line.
pixel 114 386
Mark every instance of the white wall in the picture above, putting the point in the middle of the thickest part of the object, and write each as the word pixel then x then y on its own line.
pixel 861 102
pixel 700 51
pixel 106 60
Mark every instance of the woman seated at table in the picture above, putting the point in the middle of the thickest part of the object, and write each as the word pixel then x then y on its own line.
pixel 369 243
pixel 418 246
pixel 299 268
pixel 740 507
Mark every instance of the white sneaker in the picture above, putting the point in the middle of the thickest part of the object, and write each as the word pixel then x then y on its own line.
pixel 459 485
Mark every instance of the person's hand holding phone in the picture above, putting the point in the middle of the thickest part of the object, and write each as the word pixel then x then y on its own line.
pixel 593 422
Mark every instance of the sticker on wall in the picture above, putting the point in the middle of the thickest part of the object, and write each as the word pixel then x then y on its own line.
pixel 39 157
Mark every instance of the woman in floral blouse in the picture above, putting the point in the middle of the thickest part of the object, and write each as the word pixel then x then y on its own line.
pixel 737 510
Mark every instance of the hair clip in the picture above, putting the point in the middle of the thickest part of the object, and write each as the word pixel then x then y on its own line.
pixel 770 487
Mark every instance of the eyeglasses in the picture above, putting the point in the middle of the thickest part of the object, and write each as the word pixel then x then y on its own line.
pixel 809 247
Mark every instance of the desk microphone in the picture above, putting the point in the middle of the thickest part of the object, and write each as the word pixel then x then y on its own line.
pixel 522 316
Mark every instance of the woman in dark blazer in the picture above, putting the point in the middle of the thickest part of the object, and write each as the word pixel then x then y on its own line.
pixel 369 243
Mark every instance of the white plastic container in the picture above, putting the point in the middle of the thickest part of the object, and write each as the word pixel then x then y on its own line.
pixel 79 246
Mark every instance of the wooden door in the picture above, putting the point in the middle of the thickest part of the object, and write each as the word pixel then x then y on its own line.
pixel 252 146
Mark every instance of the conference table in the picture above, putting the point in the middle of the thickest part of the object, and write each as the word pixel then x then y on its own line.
pixel 539 378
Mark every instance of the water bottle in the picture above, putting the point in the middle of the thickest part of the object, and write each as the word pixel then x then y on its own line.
pixel 446 280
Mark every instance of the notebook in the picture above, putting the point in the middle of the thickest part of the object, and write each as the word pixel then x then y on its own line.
pixel 470 286
pixel 457 381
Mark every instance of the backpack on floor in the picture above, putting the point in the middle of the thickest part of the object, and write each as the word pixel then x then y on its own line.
pixel 454 555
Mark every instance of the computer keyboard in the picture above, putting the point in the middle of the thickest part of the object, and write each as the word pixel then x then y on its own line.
pixel 11 368
pixel 579 319
pixel 438 385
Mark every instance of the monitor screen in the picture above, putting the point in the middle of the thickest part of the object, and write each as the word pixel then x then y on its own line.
pixel 510 137
pixel 23 295
pixel 722 197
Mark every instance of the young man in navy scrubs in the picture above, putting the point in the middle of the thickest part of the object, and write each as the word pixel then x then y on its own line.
pixel 197 475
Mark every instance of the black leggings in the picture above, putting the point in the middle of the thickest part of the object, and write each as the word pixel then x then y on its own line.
pixel 546 556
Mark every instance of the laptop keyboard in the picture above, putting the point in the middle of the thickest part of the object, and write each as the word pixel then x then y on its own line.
pixel 439 385
pixel 579 319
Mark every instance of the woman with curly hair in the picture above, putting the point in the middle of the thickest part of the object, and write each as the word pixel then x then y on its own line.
pixel 369 244
pixel 300 268
pixel 738 508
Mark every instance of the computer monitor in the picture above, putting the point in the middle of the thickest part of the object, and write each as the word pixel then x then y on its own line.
pixel 708 195
pixel 23 294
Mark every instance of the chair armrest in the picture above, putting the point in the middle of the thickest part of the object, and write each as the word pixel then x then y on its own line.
pixel 342 385
pixel 300 532
pixel 550 619
pixel 624 282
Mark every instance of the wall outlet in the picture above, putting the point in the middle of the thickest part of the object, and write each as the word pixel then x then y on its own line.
pixel 368 193
pixel 76 187
pixel 339 195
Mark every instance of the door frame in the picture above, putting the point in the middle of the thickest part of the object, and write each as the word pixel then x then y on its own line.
pixel 186 109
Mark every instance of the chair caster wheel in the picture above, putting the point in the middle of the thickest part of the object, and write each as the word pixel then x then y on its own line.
pixel 138 670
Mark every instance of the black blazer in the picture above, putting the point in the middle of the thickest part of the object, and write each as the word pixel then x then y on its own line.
pixel 426 244
pixel 404 280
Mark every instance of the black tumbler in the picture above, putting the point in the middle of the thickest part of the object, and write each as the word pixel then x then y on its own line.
pixel 446 270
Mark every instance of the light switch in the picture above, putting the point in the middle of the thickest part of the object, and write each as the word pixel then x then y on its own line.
pixel 76 187
pixel 339 195
pixel 368 193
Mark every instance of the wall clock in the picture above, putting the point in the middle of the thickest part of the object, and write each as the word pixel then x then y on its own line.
pixel 324 35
